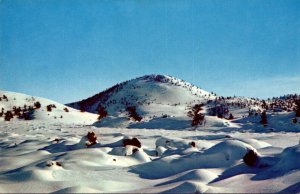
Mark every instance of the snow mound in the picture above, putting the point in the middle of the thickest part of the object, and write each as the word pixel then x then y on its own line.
pixel 199 175
pixel 254 142
pixel 289 160
pixel 174 142
pixel 78 189
pixel 188 187
pixel 231 150
pixel 223 154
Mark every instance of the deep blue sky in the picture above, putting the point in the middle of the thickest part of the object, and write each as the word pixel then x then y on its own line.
pixel 68 50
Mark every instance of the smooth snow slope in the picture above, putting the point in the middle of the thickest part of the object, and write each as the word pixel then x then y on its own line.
pixel 19 100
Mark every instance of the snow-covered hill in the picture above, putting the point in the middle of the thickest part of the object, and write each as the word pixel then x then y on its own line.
pixel 162 101
pixel 24 107
pixel 148 93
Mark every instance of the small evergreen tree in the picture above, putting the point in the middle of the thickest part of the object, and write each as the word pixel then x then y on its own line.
pixel 198 117
pixel 102 112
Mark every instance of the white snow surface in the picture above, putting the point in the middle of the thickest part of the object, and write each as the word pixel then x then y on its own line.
pixel 41 114
pixel 48 154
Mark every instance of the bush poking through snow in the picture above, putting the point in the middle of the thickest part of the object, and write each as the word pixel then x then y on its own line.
pixel 198 117
pixel 8 116
pixel 230 116
pixel 66 109
pixel 52 163
pixel 37 105
pixel 27 115
pixel 49 108
pixel 133 114
pixel 250 158
pixel 134 150
pixel 193 144
pixel 102 112
pixel 5 97
pixel 264 120
pixel 134 142
pixel 92 138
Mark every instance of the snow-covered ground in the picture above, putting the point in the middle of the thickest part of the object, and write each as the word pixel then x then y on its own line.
pixel 32 161
pixel 48 153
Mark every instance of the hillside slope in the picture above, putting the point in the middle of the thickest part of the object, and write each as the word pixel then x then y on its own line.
pixel 149 90
pixel 161 101
pixel 23 107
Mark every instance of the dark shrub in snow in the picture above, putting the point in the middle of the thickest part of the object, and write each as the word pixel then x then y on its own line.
pixel 37 105
pixel 49 108
pixel 66 109
pixel 133 114
pixel 230 117
pixel 198 117
pixel 135 150
pixel 193 144
pixel 92 138
pixel 27 115
pixel 264 120
pixel 8 116
pixel 58 163
pixel 102 112
pixel 5 97
pixel 250 158
pixel 134 142
pixel 17 111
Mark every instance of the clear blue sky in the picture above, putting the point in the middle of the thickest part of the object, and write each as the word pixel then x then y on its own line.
pixel 68 50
